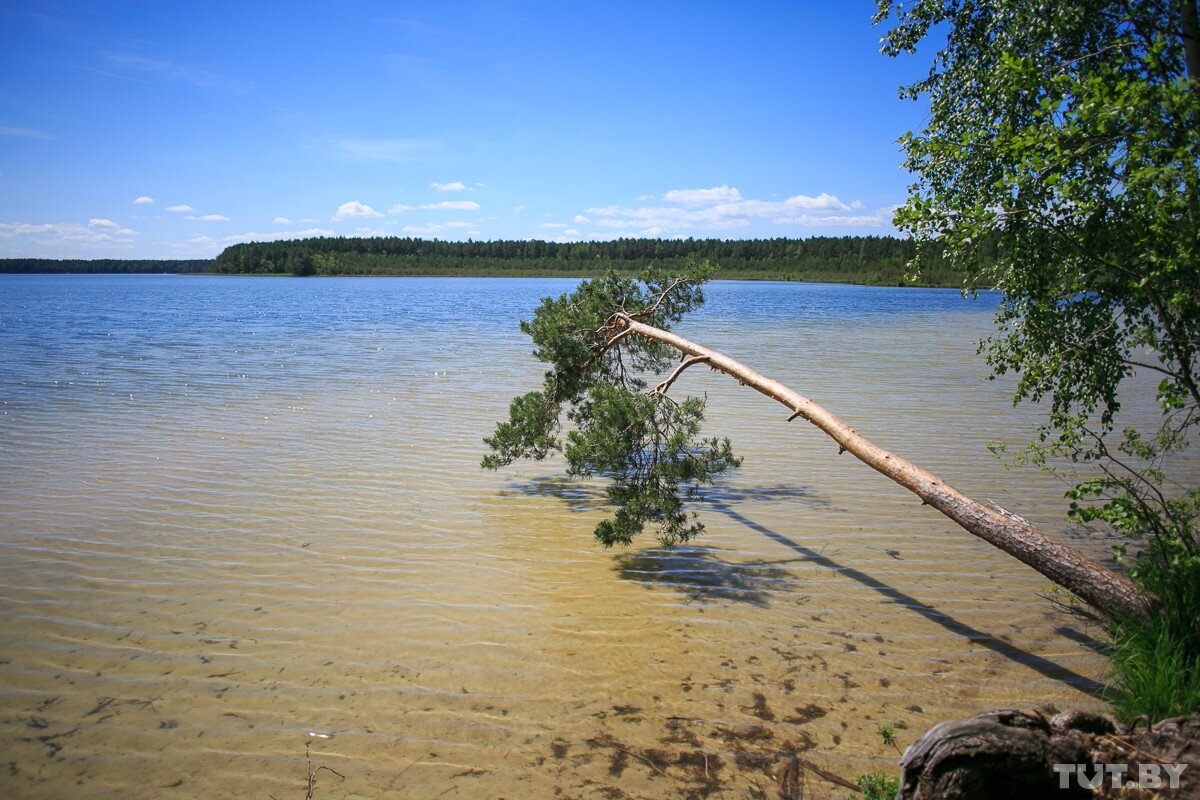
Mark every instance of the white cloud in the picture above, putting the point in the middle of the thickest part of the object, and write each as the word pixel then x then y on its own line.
pixel 109 225
pixel 455 205
pixel 96 232
pixel 717 194
pixel 724 208
pixel 518 209
pixel 202 240
pixel 215 218
pixel 181 207
pixel 456 186
pixel 452 205
pixel 144 200
pixel 354 209
pixel 435 228
pixel 276 235
pixel 822 202
pixel 282 221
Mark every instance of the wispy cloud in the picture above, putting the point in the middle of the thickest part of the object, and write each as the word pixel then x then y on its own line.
pixel 397 151
pixel 569 235
pixel 12 132
pixel 717 194
pixel 44 15
pixel 208 217
pixel 277 235
pixel 436 228
pixel 109 225
pixel 723 208
pixel 450 205
pixel 173 72
pixel 282 221
pixel 144 200
pixel 96 232
pixel 453 186
pixel 354 209
pixel 180 207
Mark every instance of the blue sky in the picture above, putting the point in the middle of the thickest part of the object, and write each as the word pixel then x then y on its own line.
pixel 170 129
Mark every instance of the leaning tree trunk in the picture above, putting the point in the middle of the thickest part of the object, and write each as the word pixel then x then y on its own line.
pixel 1112 594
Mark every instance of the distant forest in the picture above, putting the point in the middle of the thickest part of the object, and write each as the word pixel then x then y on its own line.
pixel 878 260
pixel 104 265
pixel 873 260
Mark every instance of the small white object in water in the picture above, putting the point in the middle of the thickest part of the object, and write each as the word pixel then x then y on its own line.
pixel 316 735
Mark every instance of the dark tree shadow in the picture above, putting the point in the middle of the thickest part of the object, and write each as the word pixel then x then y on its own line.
pixel 575 494
pixel 804 495
pixel 580 495
pixel 1040 664
pixel 1084 640
pixel 702 576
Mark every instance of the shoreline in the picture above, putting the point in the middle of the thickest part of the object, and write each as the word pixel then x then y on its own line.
pixel 719 276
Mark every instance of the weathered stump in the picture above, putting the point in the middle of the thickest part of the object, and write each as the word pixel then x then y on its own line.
pixel 996 755
pixel 1013 754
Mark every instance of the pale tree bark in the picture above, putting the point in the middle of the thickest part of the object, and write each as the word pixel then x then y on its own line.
pixel 1191 39
pixel 1107 591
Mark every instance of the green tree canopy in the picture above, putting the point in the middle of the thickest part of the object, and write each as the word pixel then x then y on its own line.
pixel 1067 136
pixel 647 444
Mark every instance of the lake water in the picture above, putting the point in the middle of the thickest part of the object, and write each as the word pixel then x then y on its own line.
pixel 235 512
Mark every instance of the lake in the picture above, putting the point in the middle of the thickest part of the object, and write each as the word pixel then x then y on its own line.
pixel 238 512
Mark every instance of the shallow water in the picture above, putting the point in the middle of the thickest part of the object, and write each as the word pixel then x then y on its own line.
pixel 236 512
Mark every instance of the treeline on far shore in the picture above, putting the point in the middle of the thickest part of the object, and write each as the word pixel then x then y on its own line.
pixel 876 260
pixel 105 265
pixel 871 260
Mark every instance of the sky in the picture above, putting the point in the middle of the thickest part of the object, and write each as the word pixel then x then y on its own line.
pixel 172 130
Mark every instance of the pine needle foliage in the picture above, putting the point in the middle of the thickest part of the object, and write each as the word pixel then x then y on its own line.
pixel 597 408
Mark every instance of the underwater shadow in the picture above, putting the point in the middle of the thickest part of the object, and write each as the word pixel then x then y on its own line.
pixel 703 576
pixel 580 495
pixel 804 495
pixel 1043 666
pixel 575 494
pixel 1098 646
